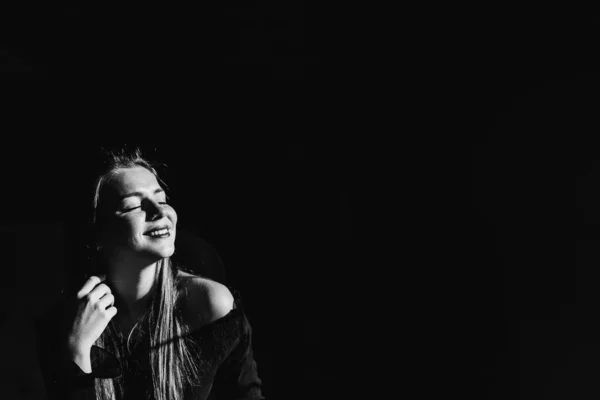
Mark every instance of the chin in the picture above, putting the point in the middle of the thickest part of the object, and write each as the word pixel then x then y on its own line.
pixel 165 253
pixel 157 254
pixel 168 253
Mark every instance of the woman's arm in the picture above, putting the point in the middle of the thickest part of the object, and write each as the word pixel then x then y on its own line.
pixel 210 302
pixel 237 377
pixel 63 377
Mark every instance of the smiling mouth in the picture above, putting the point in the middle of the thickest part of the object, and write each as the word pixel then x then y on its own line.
pixel 159 233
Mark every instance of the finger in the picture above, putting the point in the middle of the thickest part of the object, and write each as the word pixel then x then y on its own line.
pixel 106 301
pixel 99 291
pixel 87 287
pixel 111 311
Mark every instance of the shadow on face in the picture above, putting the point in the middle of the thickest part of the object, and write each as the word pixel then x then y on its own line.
pixel 135 218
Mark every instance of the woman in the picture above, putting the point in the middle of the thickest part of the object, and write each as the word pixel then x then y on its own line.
pixel 139 327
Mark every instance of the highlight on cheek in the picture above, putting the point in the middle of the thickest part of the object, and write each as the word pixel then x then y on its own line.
pixel 162 198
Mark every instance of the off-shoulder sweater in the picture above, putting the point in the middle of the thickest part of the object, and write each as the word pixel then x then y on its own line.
pixel 228 368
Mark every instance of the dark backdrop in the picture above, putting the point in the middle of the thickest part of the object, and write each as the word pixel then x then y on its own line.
pixel 274 145
pixel 529 97
pixel 508 186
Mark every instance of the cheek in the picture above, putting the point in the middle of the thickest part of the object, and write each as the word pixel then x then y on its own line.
pixel 125 229
pixel 172 215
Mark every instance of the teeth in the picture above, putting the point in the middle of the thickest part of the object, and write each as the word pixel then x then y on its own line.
pixel 159 232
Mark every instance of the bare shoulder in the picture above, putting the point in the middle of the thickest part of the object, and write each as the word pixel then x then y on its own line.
pixel 207 300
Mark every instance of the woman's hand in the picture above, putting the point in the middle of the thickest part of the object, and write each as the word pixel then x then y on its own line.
pixel 94 310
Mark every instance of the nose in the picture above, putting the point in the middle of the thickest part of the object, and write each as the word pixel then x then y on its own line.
pixel 155 210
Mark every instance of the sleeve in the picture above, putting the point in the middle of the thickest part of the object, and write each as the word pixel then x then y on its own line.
pixel 237 377
pixel 63 378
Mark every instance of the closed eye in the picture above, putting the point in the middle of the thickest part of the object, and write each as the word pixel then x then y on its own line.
pixel 133 208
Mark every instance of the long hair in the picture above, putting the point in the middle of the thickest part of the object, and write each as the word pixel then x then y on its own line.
pixel 173 357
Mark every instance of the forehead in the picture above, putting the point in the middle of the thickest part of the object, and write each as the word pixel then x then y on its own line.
pixel 135 179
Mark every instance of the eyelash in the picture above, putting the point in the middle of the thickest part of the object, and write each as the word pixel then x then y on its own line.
pixel 133 208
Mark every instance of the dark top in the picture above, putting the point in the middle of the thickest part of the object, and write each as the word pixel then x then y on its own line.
pixel 228 371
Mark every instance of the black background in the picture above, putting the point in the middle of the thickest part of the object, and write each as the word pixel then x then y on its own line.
pixel 529 100
pixel 282 133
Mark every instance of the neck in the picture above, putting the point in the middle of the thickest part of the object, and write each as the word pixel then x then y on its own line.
pixel 132 281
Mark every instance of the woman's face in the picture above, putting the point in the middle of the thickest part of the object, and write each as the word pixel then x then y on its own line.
pixel 140 222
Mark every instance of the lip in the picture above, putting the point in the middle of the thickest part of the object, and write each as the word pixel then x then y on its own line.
pixel 158 228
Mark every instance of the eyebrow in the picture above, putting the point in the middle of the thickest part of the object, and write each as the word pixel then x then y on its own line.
pixel 139 194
